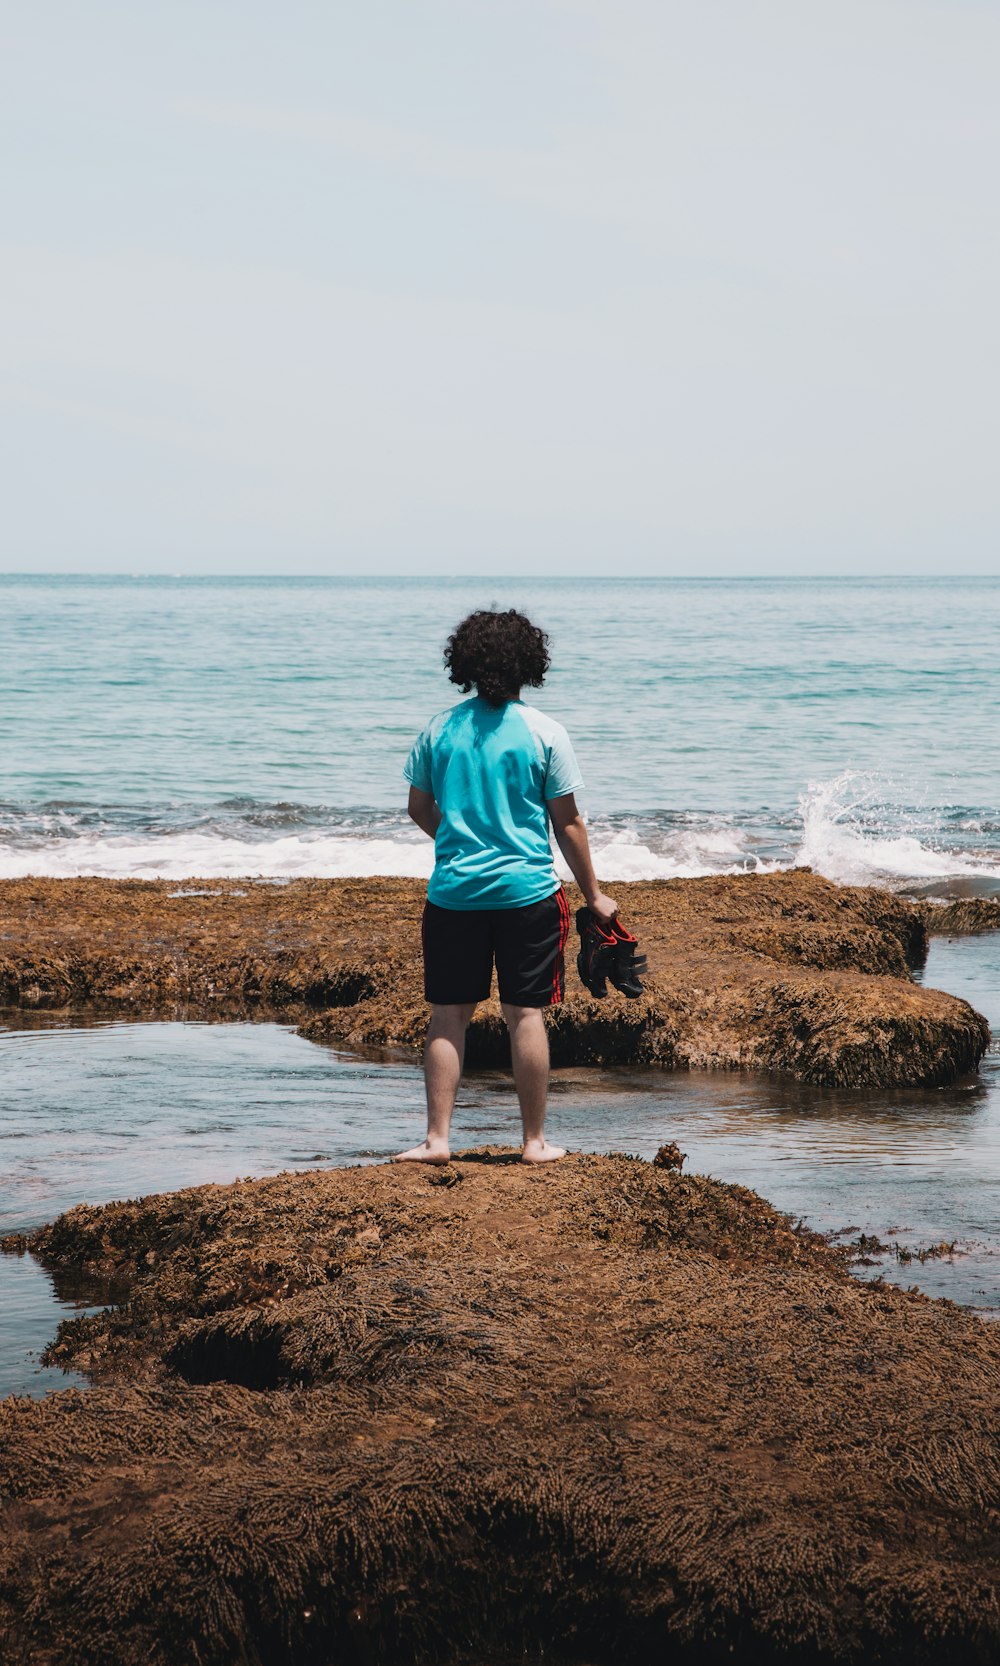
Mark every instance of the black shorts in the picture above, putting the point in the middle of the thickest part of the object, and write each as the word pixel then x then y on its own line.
pixel 460 946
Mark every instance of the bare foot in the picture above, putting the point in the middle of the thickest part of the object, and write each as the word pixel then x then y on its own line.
pixel 539 1151
pixel 429 1151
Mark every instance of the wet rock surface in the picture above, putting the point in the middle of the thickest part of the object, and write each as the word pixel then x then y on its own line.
pixel 783 973
pixel 602 1409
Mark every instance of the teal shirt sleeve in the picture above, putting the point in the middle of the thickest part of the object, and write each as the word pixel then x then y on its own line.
pixel 562 772
pixel 417 768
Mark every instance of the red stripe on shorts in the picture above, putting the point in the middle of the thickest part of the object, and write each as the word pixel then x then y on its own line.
pixel 557 979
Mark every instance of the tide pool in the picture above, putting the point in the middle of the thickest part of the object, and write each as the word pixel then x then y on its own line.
pixel 99 1111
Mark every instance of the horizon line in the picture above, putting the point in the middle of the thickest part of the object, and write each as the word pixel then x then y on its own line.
pixel 499 576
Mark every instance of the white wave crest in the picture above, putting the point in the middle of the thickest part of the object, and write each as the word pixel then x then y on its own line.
pixel 620 855
pixel 848 834
pixel 213 856
pixel 690 854
pixel 842 839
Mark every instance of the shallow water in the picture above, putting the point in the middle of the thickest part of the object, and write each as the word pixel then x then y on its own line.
pixel 96 1111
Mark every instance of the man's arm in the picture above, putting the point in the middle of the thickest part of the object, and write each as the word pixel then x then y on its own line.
pixel 423 810
pixel 571 837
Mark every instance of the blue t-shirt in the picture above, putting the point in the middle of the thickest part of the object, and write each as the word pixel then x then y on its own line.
pixel 491 770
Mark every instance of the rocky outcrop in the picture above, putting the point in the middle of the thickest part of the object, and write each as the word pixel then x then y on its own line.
pixel 966 917
pixel 601 1409
pixel 783 973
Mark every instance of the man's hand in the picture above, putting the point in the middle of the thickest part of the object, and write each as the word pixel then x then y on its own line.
pixel 603 909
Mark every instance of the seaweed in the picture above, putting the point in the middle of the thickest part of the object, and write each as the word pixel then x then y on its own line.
pixel 607 1411
pixel 780 973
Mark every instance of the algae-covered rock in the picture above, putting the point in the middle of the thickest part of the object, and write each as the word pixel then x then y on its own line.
pixel 783 972
pixel 603 1409
pixel 965 917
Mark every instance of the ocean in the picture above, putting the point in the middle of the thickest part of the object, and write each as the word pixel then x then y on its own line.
pixel 230 727
pixel 220 726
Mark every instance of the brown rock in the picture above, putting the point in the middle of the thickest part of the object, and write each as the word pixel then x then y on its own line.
pixel 967 917
pixel 601 1409
pixel 784 973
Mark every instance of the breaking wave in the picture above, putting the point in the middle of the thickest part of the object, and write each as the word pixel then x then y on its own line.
pixel 187 855
pixel 853 834
pixel 851 829
pixel 621 853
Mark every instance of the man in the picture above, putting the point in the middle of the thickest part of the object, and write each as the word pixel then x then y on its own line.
pixel 486 777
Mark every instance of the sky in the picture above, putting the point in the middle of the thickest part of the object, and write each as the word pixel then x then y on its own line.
pixel 527 286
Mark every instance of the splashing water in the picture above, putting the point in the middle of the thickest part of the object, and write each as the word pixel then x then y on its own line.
pixel 850 835
pixel 852 829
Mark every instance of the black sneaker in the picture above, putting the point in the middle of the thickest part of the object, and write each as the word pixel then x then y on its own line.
pixel 629 965
pixel 608 952
pixel 597 953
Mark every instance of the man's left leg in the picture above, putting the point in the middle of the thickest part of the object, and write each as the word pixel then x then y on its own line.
pixel 529 944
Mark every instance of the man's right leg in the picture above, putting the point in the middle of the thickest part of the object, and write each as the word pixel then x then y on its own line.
pixel 444 1053
pixel 458 967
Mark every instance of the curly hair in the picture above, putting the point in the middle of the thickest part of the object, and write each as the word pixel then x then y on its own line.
pixel 498 653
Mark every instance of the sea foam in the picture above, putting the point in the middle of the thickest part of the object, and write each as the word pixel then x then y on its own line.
pixel 186 855
pixel 849 830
